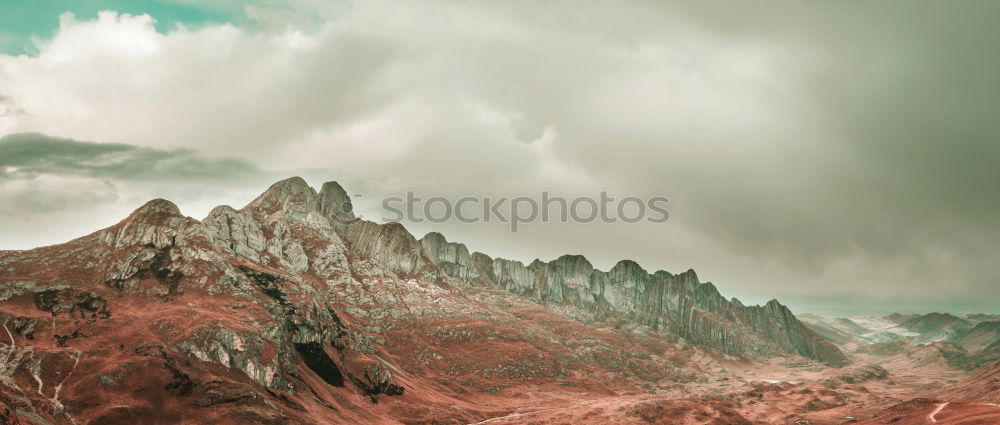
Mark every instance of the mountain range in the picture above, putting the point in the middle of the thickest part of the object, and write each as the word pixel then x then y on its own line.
pixel 292 310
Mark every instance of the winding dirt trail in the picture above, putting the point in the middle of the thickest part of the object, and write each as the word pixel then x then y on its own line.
pixel 931 416
pixel 604 403
pixel 518 415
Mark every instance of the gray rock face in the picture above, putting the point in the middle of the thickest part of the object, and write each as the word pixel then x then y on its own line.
pixel 676 304
pixel 452 258
pixel 333 202
pixel 236 231
pixel 514 276
pixel 389 245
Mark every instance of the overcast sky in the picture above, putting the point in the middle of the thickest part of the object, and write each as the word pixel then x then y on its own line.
pixel 839 156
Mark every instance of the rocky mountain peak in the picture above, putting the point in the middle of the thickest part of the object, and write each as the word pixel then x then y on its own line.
pixel 292 190
pixel 629 266
pixel 220 211
pixel 435 238
pixel 334 202
pixel 157 207
pixel 570 266
pixel 440 251
pixel 155 222
pixel 690 275
pixel 662 274
pixel 576 260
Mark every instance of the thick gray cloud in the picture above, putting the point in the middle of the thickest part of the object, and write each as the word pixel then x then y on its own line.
pixel 27 155
pixel 833 155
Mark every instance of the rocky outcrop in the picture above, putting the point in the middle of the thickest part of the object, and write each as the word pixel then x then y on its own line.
pixel 388 245
pixel 453 258
pixel 333 202
pixel 675 304
pixel 236 231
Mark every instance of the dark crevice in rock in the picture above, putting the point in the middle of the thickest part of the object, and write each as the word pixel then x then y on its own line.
pixel 56 301
pixel 317 360
pixel 62 340
pixel 284 399
pixel 340 338
pixel 268 284
pixel 377 380
pixel 180 383
pixel 25 327
pixel 292 320
pixel 380 381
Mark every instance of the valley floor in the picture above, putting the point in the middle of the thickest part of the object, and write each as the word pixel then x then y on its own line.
pixel 779 392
